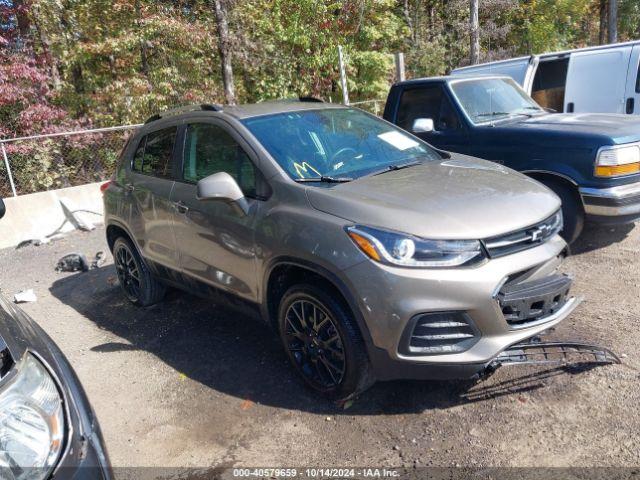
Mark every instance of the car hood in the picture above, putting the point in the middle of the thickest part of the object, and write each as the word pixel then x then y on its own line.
pixel 457 198
pixel 616 127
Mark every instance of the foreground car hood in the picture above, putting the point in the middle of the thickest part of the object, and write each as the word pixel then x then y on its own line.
pixel 458 198
pixel 617 127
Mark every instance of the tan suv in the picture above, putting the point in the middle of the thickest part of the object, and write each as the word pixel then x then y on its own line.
pixel 374 255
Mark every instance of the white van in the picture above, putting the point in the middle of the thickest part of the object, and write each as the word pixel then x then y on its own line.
pixel 595 79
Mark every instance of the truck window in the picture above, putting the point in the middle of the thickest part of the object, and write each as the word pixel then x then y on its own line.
pixel 427 102
pixel 549 83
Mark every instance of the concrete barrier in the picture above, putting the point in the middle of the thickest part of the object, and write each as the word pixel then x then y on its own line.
pixel 41 215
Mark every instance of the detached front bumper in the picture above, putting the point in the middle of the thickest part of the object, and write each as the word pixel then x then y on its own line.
pixel 613 205
pixel 392 298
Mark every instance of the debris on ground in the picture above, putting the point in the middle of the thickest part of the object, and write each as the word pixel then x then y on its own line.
pixel 25 296
pixel 112 280
pixel 73 262
pixel 39 241
pixel 98 260
pixel 71 213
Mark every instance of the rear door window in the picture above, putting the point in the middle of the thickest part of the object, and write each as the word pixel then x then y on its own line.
pixel 155 153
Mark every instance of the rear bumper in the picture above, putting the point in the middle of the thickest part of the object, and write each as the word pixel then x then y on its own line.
pixel 613 205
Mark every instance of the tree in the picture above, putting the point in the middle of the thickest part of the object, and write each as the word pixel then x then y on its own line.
pixel 474 27
pixel 224 48
pixel 613 21
pixel 602 32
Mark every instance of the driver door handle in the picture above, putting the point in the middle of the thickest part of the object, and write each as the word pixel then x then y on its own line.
pixel 181 207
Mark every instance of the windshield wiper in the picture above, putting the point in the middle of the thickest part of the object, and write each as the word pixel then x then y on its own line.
pixel 323 179
pixel 492 114
pixel 393 168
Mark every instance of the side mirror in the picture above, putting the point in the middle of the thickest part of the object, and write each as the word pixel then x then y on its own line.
pixel 222 187
pixel 423 125
pixel 3 209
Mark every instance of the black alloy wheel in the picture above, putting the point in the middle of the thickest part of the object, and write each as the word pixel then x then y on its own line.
pixel 139 285
pixel 314 344
pixel 128 271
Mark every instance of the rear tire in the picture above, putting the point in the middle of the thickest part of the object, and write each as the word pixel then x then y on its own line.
pixel 323 342
pixel 138 284
pixel 572 210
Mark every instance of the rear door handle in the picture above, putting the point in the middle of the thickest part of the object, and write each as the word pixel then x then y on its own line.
pixel 181 207
pixel 129 187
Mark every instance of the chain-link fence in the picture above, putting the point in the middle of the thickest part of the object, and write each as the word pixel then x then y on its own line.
pixel 372 106
pixel 46 162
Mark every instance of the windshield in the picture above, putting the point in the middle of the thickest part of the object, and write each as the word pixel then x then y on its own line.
pixel 491 99
pixel 335 143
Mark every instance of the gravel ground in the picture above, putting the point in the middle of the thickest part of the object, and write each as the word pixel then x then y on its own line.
pixel 188 383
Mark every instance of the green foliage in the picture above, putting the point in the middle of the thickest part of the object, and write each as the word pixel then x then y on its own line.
pixel 119 61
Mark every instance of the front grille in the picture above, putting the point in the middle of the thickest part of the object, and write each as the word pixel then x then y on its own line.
pixel 523 239
pixel 439 333
pixel 525 303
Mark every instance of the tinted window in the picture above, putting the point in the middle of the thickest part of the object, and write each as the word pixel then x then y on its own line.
pixel 427 102
pixel 154 153
pixel 335 142
pixel 210 149
pixel 137 157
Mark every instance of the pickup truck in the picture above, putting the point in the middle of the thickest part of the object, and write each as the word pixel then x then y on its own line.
pixel 591 161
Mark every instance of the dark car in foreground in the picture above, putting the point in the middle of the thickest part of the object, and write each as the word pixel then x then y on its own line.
pixel 591 161
pixel 373 255
pixel 47 427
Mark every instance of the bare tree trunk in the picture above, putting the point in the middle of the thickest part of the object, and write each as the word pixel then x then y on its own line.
pixel 224 47
pixel 602 34
pixel 407 18
pixel 144 61
pixel 474 27
pixel 613 21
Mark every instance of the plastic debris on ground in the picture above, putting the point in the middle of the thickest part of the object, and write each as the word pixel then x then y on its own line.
pixel 98 260
pixel 25 296
pixel 73 262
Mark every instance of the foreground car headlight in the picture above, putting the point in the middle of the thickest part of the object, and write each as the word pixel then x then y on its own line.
pixel 408 251
pixel 31 422
pixel 618 160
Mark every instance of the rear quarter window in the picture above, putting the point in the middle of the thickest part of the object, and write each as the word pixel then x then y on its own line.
pixel 154 153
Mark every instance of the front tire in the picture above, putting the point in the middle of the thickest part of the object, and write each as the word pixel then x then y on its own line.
pixel 137 282
pixel 572 210
pixel 323 342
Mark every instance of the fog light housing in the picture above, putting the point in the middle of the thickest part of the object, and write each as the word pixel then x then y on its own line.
pixel 439 333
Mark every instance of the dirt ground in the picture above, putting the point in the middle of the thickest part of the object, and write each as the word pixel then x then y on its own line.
pixel 187 383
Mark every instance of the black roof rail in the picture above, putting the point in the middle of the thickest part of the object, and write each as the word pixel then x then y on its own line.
pixel 310 99
pixel 184 109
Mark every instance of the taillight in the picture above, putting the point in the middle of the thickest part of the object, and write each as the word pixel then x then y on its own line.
pixel 105 185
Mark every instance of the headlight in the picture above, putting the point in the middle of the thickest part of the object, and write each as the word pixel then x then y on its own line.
pixel 31 422
pixel 618 160
pixel 408 251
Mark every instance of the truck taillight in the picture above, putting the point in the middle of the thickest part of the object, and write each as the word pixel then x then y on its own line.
pixel 105 185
